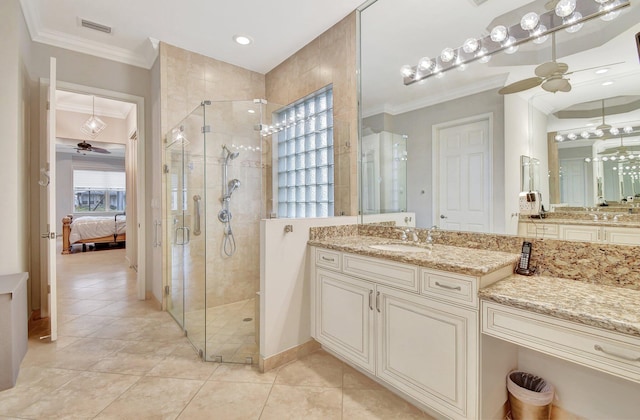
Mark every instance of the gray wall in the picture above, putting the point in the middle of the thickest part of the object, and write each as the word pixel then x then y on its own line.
pixel 92 72
pixel 14 147
pixel 418 124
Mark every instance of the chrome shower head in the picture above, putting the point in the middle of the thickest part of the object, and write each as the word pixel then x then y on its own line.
pixel 233 185
pixel 229 154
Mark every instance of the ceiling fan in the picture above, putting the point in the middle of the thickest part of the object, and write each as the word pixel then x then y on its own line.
pixel 83 146
pixel 551 76
pixel 618 150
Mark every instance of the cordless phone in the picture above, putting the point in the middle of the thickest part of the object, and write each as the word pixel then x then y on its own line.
pixel 525 258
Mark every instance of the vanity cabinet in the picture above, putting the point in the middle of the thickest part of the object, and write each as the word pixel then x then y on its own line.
pixel 604 234
pixel 610 352
pixel 583 233
pixel 538 230
pixel 414 328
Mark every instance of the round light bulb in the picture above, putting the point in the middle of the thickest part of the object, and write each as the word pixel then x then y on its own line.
pixel 614 130
pixel 573 18
pixel 565 7
pixel 605 158
pixel 572 136
pixel 613 158
pixel 471 45
pixel 559 137
pixel 599 132
pixel 499 33
pixel 512 48
pixel 425 64
pixel 447 55
pixel 587 160
pixel 584 134
pixel 484 58
pixel 406 70
pixel 539 38
pixel 529 21
pixel 628 129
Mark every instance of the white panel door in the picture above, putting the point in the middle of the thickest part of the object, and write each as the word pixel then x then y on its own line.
pixel 464 177
pixel 428 350
pixel 345 316
pixel 49 230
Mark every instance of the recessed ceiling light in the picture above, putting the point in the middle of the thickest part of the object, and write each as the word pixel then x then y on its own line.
pixel 602 71
pixel 251 111
pixel 608 83
pixel 242 39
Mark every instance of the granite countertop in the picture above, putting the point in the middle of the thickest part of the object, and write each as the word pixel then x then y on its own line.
pixel 475 262
pixel 608 223
pixel 607 307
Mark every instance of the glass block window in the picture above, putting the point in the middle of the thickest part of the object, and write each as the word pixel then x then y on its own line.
pixel 304 133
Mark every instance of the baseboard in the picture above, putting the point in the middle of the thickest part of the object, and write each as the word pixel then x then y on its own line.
pixel 294 353
pixel 150 296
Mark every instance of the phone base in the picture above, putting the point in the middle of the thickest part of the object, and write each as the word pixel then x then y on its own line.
pixel 525 271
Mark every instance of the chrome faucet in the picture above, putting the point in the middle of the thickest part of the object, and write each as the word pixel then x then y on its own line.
pixel 429 239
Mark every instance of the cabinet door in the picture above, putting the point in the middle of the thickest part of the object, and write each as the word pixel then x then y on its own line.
pixel 428 350
pixel 345 316
pixel 580 233
pixel 622 236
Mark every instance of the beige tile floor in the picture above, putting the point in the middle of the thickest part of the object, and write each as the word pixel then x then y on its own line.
pixel 120 358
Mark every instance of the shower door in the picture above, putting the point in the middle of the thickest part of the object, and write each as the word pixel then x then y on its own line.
pixel 214 203
pixel 186 225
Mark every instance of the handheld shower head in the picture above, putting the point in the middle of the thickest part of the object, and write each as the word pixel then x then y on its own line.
pixel 233 185
pixel 229 154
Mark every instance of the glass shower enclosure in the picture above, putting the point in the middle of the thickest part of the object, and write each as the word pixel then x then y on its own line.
pixel 214 203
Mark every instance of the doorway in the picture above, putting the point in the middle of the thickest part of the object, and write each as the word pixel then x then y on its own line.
pixel 137 162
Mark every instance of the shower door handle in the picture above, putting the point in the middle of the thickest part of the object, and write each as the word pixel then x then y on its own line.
pixel 186 235
pixel 196 211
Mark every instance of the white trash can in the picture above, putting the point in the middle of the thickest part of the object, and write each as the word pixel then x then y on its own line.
pixel 530 396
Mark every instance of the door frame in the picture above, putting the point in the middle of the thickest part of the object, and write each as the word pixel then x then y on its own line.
pixel 436 130
pixel 140 167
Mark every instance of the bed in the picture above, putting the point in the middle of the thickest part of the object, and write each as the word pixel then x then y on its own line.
pixel 91 229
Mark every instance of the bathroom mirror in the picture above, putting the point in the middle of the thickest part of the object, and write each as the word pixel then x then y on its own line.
pixel 466 139
pixel 529 173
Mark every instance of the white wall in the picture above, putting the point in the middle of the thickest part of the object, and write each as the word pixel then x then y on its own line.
pixel 583 391
pixel 285 295
pixel 516 144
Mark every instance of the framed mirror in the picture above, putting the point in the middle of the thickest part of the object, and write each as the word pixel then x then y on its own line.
pixel 466 139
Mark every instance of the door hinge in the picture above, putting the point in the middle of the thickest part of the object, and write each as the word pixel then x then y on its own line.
pixel 165 169
pixel 166 290
pixel 48 105
pixel 206 128
pixel 48 289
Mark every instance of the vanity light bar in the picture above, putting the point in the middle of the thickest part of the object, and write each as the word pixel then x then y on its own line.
pixel 614 132
pixel 548 23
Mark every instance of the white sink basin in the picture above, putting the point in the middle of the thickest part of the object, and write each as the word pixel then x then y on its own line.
pixel 399 248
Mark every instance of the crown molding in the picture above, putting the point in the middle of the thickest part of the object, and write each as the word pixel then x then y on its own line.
pixel 81 109
pixel 97 49
pixel 488 83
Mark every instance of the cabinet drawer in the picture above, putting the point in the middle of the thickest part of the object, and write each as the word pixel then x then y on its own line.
pixel 448 286
pixel 610 352
pixel 549 230
pixel 385 272
pixel 328 259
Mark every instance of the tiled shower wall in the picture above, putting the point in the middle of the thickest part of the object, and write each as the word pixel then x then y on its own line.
pixel 186 79
pixel 328 59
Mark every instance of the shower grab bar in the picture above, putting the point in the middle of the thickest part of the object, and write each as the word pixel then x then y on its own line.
pixel 196 223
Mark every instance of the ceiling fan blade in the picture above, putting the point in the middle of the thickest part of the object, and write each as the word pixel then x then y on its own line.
pixel 521 85
pixel 550 68
pixel 99 150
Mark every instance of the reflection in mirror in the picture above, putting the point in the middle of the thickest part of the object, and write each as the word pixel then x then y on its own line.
pixel 466 139
pixel 530 174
